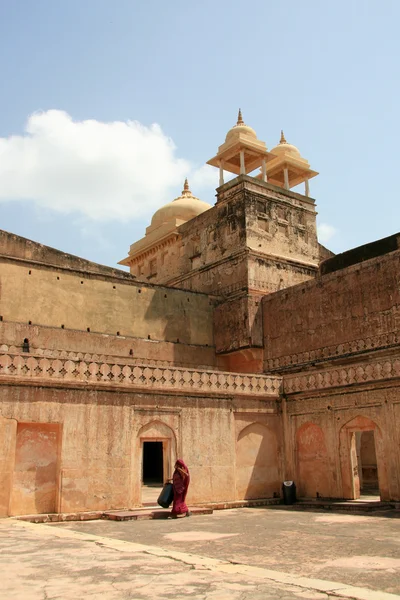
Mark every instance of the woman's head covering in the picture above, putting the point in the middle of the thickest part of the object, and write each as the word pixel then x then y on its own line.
pixel 181 464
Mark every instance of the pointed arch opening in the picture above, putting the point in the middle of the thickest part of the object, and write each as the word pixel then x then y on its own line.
pixel 363 460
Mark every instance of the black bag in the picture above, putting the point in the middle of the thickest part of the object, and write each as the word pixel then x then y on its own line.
pixel 166 496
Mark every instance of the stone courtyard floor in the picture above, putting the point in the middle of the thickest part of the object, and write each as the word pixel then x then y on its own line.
pixel 241 554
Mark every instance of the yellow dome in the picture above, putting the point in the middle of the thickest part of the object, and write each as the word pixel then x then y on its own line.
pixel 239 128
pixel 284 148
pixel 184 208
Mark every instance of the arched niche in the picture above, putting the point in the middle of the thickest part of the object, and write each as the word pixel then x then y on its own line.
pixel 349 456
pixel 257 472
pixel 312 465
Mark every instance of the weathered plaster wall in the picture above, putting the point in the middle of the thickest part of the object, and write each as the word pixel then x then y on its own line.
pixel 259 468
pixel 55 297
pixel 99 461
pixel 348 311
pixel 238 324
pixel 36 469
pixel 318 428
pixel 53 341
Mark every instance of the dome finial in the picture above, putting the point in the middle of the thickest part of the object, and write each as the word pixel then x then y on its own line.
pixel 283 139
pixel 240 118
pixel 186 190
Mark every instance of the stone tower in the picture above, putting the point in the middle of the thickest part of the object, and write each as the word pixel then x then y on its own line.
pixel 259 237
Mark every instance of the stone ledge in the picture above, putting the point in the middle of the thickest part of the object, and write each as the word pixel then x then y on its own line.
pixel 343 350
pixel 29 368
pixel 241 503
pixel 149 514
pixel 371 372
pixel 60 517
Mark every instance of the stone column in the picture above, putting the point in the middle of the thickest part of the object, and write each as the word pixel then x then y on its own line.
pixel 242 167
pixel 307 186
pixel 264 170
pixel 221 173
pixel 286 178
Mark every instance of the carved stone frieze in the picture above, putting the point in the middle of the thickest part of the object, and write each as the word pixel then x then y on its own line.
pixel 357 373
pixel 28 367
pixel 377 342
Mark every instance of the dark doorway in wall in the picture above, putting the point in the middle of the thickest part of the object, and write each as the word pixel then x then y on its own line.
pixel 367 463
pixel 153 471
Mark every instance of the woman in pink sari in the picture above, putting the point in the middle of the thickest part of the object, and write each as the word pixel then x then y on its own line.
pixel 180 483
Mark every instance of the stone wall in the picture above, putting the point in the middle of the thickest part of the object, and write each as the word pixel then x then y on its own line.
pixel 319 424
pixel 350 311
pixel 15 246
pixel 89 419
pixel 60 343
pixel 55 297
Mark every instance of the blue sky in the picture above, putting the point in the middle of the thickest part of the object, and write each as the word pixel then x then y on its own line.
pixel 107 106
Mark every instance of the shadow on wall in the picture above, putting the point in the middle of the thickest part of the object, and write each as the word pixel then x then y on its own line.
pixel 257 470
pixel 314 475
pixel 179 316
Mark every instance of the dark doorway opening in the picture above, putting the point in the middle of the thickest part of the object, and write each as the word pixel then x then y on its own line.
pixel 367 463
pixel 153 470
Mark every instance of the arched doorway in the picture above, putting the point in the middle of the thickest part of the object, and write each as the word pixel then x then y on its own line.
pixel 313 471
pixel 362 457
pixel 156 450
pixel 257 473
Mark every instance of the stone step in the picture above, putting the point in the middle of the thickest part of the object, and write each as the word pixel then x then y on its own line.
pixel 145 514
pixel 61 517
pixel 349 506
pixel 241 503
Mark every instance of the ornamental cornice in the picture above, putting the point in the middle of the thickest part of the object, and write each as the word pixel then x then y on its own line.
pixel 39 370
pixel 359 346
pixel 355 374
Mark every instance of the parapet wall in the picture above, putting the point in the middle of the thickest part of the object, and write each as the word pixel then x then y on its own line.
pixel 52 296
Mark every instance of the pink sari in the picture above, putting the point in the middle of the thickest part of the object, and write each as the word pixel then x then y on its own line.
pixel 180 483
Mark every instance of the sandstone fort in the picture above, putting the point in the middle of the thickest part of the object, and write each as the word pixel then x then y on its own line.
pixel 235 340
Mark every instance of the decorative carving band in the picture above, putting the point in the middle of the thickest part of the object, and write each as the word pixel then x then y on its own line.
pixel 384 369
pixel 46 370
pixel 353 347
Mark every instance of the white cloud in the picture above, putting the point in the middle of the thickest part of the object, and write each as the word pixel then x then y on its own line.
pixel 325 232
pixel 101 170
